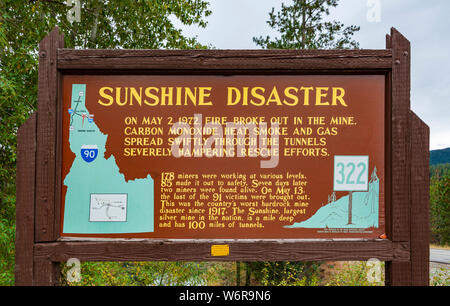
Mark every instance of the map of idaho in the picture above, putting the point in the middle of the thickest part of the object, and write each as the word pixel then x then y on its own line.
pixel 98 199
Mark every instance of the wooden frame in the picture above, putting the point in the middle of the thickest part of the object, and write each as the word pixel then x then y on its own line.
pixel 39 248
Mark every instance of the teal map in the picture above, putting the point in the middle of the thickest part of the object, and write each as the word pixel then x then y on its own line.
pixel 335 213
pixel 98 199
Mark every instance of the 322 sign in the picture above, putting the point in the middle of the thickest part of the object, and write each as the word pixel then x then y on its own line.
pixel 351 173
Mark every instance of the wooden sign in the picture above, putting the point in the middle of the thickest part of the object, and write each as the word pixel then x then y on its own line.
pixel 223 155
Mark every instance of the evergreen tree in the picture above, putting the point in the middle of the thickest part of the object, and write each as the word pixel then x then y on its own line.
pixel 440 207
pixel 302 26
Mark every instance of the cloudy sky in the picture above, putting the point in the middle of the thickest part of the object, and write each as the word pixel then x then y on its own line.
pixel 233 24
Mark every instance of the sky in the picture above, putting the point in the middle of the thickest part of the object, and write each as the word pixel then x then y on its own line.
pixel 426 24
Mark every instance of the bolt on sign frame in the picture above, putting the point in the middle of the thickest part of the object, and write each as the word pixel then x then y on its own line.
pixel 40 247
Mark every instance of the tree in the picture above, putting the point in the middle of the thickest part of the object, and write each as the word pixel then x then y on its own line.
pixel 440 207
pixel 302 26
pixel 135 24
pixel 104 24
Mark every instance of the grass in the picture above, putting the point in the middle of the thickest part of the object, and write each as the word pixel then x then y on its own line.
pixel 442 247
pixel 355 273
pixel 439 275
pixel 351 273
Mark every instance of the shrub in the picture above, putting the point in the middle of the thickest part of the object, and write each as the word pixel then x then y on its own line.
pixel 359 274
pixel 286 273
pixel 440 208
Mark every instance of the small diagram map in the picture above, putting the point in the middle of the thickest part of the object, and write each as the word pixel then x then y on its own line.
pixel 108 207
pixel 80 111
pixel 98 199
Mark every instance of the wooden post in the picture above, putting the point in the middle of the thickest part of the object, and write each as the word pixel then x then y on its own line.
pixel 420 199
pixel 25 197
pixel 47 130
pixel 46 272
pixel 36 208
pixel 410 182
pixel 398 274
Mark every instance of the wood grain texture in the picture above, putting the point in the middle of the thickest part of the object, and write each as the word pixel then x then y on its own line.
pixel 239 251
pixel 400 273
pixel 25 197
pixel 46 136
pixel 224 59
pixel 420 202
pixel 401 87
pixel 58 157
pixel 46 272
pixel 388 41
pixel 386 210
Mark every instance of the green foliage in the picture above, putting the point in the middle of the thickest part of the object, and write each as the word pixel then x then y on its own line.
pixel 440 156
pixel 105 24
pixel 440 207
pixel 356 274
pixel 138 274
pixel 286 273
pixel 437 171
pixel 440 276
pixel 168 273
pixel 222 274
pixel 302 27
pixel 7 235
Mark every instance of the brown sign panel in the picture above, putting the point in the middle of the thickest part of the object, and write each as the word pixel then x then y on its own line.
pixel 218 157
